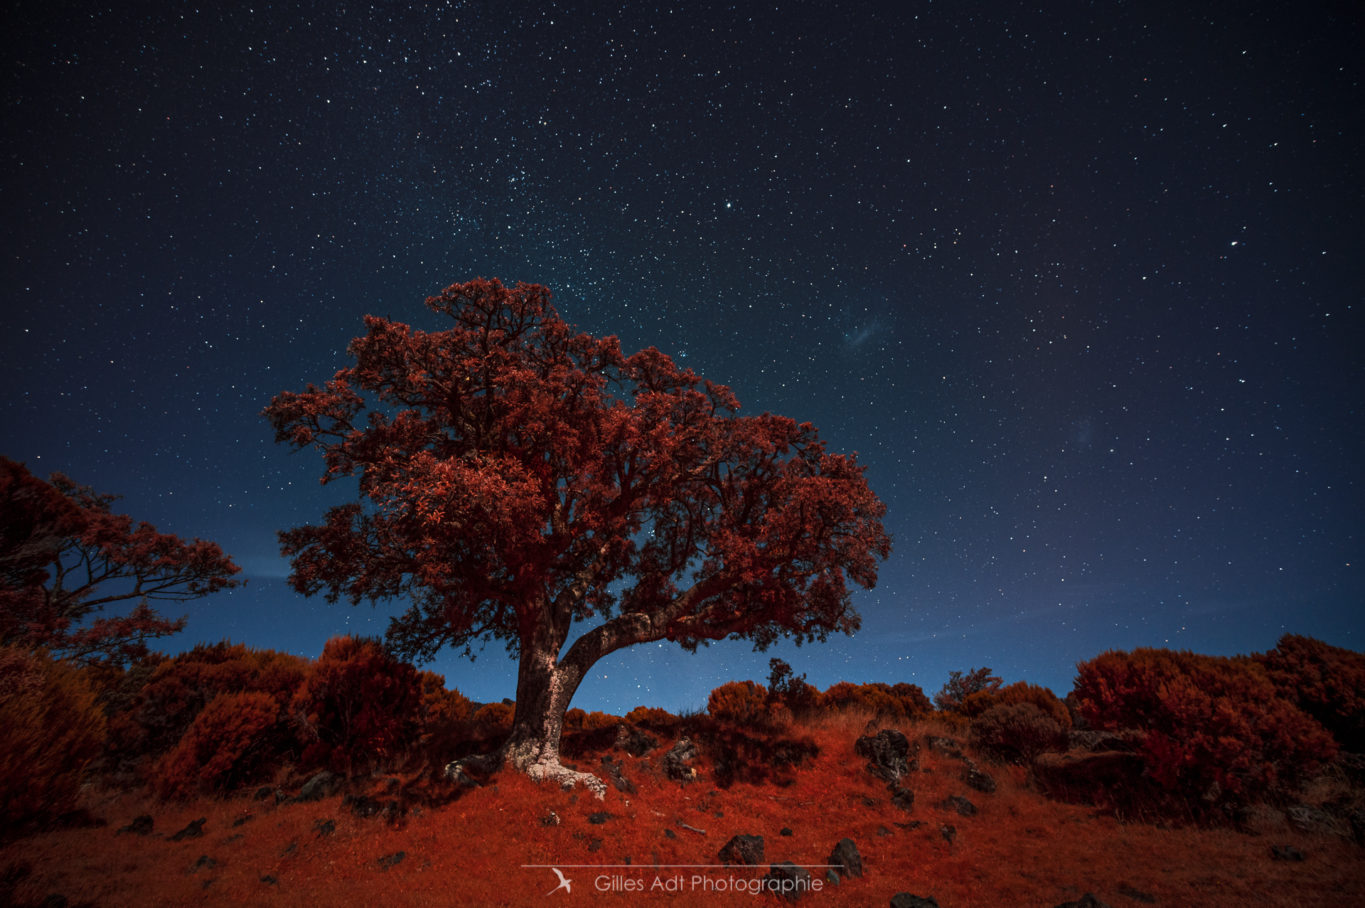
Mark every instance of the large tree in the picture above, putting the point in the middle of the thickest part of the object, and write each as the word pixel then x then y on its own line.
pixel 520 480
pixel 65 556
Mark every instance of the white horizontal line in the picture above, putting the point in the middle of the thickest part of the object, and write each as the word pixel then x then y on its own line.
pixel 671 866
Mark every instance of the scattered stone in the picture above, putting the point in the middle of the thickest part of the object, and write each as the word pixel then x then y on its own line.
pixel 1086 901
pixel 743 850
pixel 1315 820
pixel 887 753
pixel 786 831
pixel 787 881
pixel 192 831
pixel 1085 777
pixel 550 819
pixel 948 832
pixel 906 900
pixel 615 774
pixel 141 825
pixel 268 793
pixel 670 834
pixel 1136 895
pixel 960 804
pixel 243 820
pixel 1285 853
pixel 598 818
pixel 848 862
pixel 678 761
pixel 902 797
pixel 977 778
pixel 324 827
pixel 391 860
pixel 362 805
pixel 319 786
pixel 633 741
pixel 270 880
pixel 949 747
pixel 204 862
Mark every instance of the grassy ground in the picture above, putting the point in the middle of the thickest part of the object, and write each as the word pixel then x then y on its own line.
pixel 1017 849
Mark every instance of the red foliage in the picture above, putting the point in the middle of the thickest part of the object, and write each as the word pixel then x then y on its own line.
pixel 1327 682
pixel 65 556
pixel 1217 731
pixel 359 707
pixel 968 694
pixel 230 742
pixel 1017 732
pixel 50 729
pixel 739 702
pixel 508 467
pixel 1048 703
pixel 891 702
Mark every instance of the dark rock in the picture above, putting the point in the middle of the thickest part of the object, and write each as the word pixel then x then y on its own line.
pixel 324 827
pixel 1086 901
pixel 786 831
pixel 848 862
pixel 1136 895
pixel 598 818
pixel 787 881
pixel 976 778
pixel 1088 777
pixel 906 900
pixel 960 804
pixel 1316 820
pixel 267 793
pixel 363 805
pixel 1285 853
pixel 678 761
pixel 204 862
pixel 633 741
pixel 319 786
pixel 949 747
pixel 902 797
pixel 390 860
pixel 887 753
pixel 614 772
pixel 270 880
pixel 141 825
pixel 743 850
pixel 550 819
pixel 948 832
pixel 192 831
pixel 243 820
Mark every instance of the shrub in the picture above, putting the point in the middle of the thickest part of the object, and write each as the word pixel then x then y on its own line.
pixel 1217 731
pixel 970 694
pixel 1327 682
pixel 359 708
pixel 651 717
pixel 739 702
pixel 1047 702
pixel 494 719
pixel 1017 732
pixel 898 703
pixel 50 730
pixel 230 742
pixel 787 690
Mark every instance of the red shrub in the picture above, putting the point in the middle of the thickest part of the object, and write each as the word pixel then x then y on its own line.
pixel 1327 682
pixel 50 729
pixel 896 703
pixel 1217 730
pixel 359 707
pixel 739 702
pixel 968 694
pixel 230 742
pixel 1047 702
pixel 493 720
pixel 1017 732
pixel 651 716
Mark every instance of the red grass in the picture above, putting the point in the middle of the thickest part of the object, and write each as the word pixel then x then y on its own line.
pixel 1020 848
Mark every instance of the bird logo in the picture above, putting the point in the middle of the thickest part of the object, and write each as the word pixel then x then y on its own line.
pixel 563 883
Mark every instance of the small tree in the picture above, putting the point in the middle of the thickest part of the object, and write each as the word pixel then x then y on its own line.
pixel 968 694
pixel 517 476
pixel 64 556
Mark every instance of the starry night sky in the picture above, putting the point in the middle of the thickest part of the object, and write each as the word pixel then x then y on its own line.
pixel 1081 285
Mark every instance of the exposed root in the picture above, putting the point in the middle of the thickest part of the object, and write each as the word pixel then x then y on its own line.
pixel 566 778
pixel 541 768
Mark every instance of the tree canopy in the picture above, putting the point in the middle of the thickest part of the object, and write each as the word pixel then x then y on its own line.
pixel 65 556
pixel 516 476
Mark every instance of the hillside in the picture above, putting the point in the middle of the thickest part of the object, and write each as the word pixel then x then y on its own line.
pixel 404 840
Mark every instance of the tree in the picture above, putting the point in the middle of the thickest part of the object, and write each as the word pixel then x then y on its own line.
pixel 518 478
pixel 969 694
pixel 64 556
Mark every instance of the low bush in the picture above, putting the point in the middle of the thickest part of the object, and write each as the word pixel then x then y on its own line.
pixel 895 703
pixel 739 702
pixel 1218 733
pixel 50 730
pixel 1017 732
pixel 232 741
pixel 1327 682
